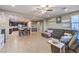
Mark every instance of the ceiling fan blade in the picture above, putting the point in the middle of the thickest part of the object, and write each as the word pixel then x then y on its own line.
pixel 59 7
pixel 49 10
pixel 39 8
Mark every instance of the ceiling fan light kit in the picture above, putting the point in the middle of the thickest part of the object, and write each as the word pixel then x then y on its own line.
pixel 46 8
pixel 43 12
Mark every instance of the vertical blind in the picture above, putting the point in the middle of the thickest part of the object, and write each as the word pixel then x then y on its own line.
pixel 75 22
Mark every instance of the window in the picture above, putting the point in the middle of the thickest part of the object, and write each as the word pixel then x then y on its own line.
pixel 75 23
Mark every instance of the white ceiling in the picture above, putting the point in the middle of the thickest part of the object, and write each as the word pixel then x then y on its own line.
pixel 31 11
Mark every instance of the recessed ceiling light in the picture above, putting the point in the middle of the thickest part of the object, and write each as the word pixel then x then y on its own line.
pixel 13 5
pixel 43 5
pixel 50 6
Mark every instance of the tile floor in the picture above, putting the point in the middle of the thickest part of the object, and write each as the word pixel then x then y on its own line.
pixel 34 43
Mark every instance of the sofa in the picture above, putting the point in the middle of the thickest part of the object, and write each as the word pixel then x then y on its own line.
pixel 55 33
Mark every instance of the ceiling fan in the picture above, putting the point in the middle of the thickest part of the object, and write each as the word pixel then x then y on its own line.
pixel 49 8
pixel 44 8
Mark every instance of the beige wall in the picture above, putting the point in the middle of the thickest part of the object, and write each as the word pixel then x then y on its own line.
pixel 51 23
pixel 40 26
pixel 4 23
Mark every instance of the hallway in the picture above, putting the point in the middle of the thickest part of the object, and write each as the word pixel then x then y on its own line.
pixel 34 43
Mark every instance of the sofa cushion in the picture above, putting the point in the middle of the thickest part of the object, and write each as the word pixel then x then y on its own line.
pixel 65 39
pixel 57 33
pixel 50 31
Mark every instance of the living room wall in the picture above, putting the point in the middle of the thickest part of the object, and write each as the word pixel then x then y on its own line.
pixel 65 23
pixel 4 23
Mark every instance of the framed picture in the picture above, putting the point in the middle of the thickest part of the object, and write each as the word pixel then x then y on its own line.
pixel 58 19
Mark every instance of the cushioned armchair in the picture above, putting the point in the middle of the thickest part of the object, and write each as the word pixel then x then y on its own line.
pixel 47 33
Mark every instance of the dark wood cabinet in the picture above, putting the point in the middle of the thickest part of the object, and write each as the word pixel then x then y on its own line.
pixel 14 26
